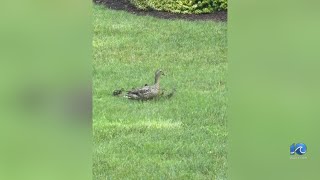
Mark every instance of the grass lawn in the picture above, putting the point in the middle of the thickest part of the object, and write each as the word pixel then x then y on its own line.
pixel 184 137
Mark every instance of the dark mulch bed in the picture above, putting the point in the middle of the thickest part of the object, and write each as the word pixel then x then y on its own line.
pixel 127 6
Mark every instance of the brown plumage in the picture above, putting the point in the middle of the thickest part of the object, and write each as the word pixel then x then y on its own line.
pixel 147 92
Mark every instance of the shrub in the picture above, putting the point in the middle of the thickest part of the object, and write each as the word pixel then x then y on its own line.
pixel 182 6
pixel 221 4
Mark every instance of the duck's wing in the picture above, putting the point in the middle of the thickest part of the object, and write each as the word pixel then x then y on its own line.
pixel 139 94
pixel 141 91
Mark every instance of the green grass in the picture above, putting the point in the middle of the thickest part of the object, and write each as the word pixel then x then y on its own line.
pixel 184 137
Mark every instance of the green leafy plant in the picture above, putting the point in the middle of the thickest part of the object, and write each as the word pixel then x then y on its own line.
pixel 182 6
pixel 221 4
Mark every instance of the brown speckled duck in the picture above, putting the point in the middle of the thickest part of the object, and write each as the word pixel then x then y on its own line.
pixel 147 92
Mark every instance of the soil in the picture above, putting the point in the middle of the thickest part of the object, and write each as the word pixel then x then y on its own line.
pixel 127 6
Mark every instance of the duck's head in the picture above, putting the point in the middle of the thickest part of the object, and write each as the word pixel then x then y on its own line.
pixel 159 72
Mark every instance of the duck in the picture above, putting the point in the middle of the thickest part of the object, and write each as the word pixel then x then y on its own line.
pixel 147 92
pixel 117 92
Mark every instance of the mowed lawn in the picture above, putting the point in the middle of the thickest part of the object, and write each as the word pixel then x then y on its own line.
pixel 184 137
